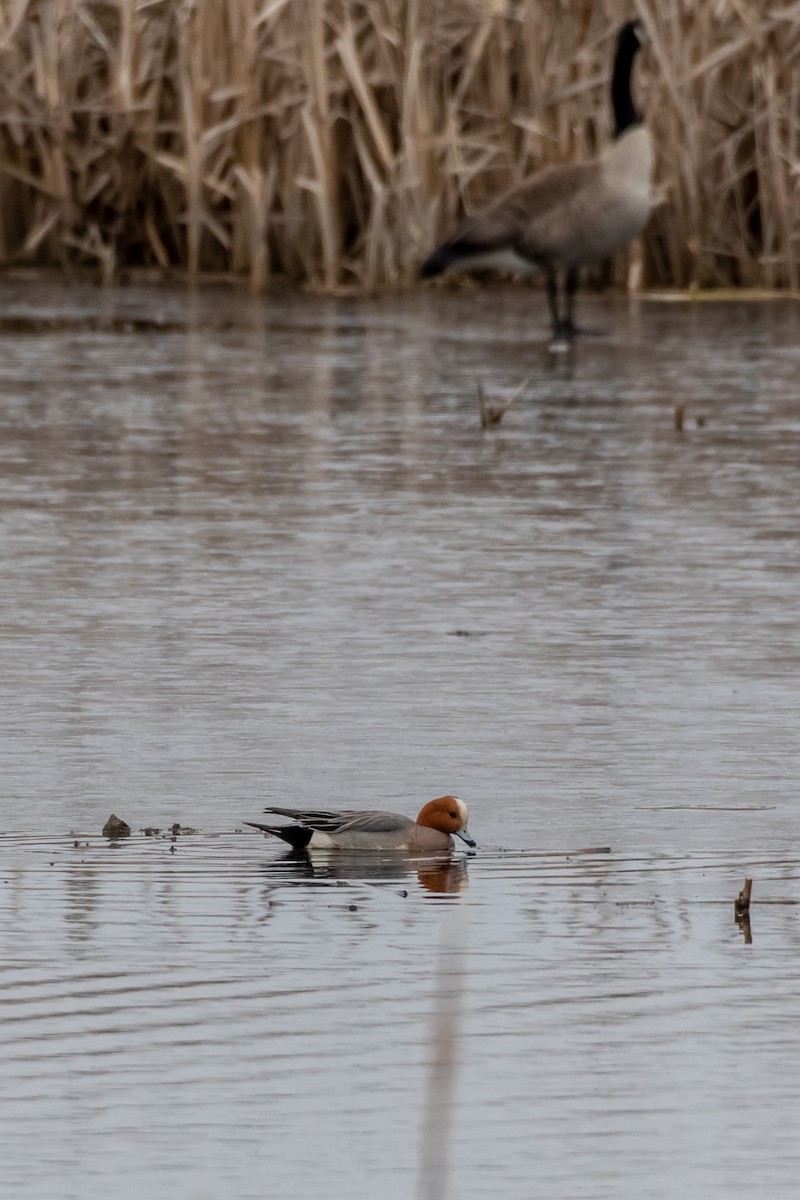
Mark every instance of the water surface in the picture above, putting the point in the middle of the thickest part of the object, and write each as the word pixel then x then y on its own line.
pixel 262 551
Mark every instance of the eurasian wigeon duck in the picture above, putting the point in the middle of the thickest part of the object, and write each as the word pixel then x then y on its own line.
pixel 367 830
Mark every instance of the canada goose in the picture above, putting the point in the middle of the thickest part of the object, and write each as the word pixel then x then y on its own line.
pixel 565 217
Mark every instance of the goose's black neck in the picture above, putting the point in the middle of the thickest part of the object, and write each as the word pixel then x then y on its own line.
pixel 625 114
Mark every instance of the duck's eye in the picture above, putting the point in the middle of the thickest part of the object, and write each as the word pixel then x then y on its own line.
pixel 454 816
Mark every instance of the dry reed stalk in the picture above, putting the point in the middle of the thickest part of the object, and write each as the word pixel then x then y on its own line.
pixel 335 141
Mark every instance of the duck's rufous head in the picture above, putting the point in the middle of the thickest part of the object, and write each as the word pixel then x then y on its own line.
pixel 448 814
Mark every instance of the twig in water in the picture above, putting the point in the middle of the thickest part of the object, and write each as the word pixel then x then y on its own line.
pixel 492 413
pixel 741 904
pixel 741 911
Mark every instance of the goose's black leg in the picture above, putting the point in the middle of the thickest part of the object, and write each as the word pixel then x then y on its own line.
pixel 565 327
pixel 552 302
pixel 568 327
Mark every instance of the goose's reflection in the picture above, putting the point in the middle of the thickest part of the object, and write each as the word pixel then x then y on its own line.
pixel 443 874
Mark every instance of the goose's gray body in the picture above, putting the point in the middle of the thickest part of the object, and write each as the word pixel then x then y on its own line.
pixel 564 217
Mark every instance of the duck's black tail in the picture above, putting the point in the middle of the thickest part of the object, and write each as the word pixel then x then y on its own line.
pixel 297 836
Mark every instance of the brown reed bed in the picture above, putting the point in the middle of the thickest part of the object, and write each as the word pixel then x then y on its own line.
pixel 334 141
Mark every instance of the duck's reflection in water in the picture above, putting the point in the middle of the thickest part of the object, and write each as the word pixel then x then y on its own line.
pixel 447 876
pixel 441 874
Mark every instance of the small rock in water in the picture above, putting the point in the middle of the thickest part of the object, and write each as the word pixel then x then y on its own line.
pixel 115 827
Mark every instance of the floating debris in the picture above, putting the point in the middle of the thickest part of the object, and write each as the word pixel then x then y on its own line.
pixel 115 828
pixel 681 419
